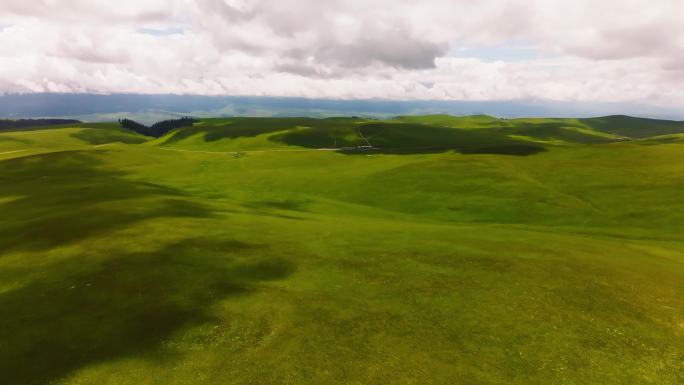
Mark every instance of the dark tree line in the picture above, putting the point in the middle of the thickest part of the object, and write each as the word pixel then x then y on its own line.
pixel 158 129
pixel 25 123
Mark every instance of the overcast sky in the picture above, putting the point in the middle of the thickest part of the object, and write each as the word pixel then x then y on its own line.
pixel 562 50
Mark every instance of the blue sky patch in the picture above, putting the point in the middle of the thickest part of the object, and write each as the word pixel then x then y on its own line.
pixel 511 51
pixel 168 31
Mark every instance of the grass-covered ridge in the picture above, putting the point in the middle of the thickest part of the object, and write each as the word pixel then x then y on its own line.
pixel 413 132
pixel 246 250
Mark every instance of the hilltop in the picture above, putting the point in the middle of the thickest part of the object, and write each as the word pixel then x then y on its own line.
pixel 469 133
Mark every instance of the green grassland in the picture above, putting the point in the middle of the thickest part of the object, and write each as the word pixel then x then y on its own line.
pixel 467 250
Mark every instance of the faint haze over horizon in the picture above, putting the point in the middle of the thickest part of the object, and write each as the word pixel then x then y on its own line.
pixel 589 57
pixel 150 108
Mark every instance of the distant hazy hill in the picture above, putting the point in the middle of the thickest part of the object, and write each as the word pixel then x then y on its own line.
pixel 151 108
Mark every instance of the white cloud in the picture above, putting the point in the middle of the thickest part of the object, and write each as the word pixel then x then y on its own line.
pixel 613 50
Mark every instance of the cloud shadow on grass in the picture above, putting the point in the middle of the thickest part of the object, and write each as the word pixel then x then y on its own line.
pixel 91 308
pixel 240 128
pixel 408 139
pixel 124 306
pixel 68 196
pixel 517 149
pixel 96 136
pixel 300 205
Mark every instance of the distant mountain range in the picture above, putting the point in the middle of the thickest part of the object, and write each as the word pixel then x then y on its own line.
pixel 149 108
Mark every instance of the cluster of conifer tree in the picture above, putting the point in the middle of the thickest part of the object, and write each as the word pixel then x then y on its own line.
pixel 158 129
pixel 23 123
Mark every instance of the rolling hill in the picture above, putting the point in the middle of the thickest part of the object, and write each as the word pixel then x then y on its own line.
pixel 470 250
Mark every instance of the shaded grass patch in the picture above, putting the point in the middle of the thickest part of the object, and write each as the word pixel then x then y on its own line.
pixel 90 309
pixel 63 197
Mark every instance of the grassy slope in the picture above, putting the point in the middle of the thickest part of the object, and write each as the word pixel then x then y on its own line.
pixel 634 127
pixel 592 130
pixel 123 263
